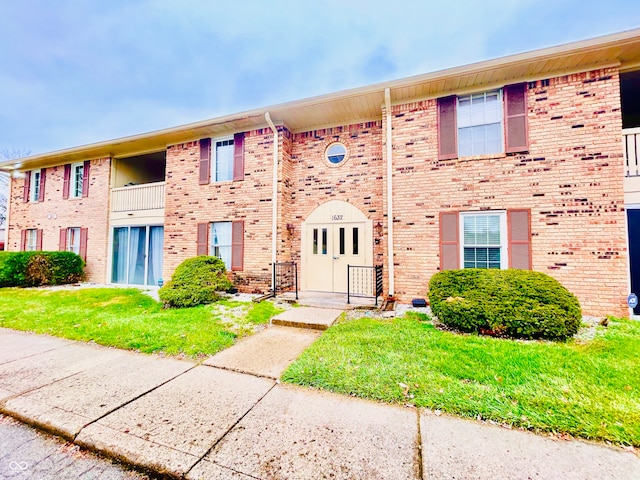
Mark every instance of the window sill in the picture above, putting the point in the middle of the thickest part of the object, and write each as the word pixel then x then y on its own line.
pixel 486 156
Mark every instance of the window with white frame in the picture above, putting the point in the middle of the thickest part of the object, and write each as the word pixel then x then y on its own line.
pixel 484 242
pixel 34 193
pixel 73 240
pixel 221 242
pixel 479 118
pixel 77 179
pixel 222 151
pixel 31 244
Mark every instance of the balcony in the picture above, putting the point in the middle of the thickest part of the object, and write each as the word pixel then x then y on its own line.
pixel 135 198
pixel 631 145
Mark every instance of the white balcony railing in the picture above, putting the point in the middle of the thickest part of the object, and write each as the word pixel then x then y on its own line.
pixel 147 196
pixel 631 145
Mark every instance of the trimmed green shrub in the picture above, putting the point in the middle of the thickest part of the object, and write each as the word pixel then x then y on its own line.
pixel 32 269
pixel 196 281
pixel 514 303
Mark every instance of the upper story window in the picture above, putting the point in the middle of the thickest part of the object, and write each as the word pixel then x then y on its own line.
pixel 34 194
pixel 336 154
pixel 480 123
pixel 222 160
pixel 77 180
pixel 475 124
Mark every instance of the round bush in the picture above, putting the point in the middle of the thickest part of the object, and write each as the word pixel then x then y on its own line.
pixel 515 303
pixel 196 281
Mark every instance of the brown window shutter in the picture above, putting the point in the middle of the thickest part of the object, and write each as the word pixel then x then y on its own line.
pixel 43 181
pixel 66 181
pixel 519 226
pixel 39 239
pixel 86 171
pixel 84 233
pixel 203 239
pixel 23 241
pixel 447 128
pixel 516 126
pixel 27 186
pixel 449 241
pixel 205 160
pixel 238 156
pixel 237 246
pixel 62 244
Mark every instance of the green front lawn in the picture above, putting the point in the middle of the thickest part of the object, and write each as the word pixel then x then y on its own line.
pixel 129 319
pixel 587 389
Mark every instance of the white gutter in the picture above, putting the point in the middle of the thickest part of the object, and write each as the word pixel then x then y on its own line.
pixel 274 197
pixel 387 107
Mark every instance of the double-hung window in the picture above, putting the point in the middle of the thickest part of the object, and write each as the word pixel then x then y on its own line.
pixel 222 160
pixel 480 123
pixel 73 240
pixel 484 240
pixel 491 122
pixel 31 244
pixel 77 180
pixel 221 242
pixel 34 193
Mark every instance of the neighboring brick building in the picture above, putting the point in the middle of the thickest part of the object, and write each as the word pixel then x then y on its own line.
pixel 528 161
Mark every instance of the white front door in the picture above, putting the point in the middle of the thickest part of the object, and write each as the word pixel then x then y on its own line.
pixel 344 237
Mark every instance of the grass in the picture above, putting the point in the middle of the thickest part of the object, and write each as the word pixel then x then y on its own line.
pixel 587 389
pixel 129 319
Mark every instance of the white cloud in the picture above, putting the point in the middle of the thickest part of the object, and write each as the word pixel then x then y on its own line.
pixel 76 71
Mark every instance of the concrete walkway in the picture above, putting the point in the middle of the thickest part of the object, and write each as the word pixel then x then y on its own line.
pixel 205 422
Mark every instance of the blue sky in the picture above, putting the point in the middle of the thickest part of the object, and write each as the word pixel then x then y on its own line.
pixel 74 72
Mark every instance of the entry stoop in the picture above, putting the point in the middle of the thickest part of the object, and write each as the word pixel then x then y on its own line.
pixel 307 317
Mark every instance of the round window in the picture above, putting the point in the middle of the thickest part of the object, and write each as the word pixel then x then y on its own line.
pixel 336 153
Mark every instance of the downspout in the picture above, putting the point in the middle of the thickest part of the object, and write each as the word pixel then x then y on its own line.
pixel 274 198
pixel 8 212
pixel 387 107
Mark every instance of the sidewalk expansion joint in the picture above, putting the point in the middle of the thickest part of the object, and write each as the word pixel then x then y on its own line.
pixel 243 372
pixel 37 353
pixel 222 437
pixel 130 401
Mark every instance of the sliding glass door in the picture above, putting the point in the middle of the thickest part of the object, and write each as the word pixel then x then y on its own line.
pixel 137 255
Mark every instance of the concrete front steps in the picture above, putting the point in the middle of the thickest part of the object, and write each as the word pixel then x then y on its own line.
pixel 313 318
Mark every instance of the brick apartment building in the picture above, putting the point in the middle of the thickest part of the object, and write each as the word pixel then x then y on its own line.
pixel 528 161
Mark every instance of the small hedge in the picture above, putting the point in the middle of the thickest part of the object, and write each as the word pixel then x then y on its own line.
pixel 515 303
pixel 32 269
pixel 196 281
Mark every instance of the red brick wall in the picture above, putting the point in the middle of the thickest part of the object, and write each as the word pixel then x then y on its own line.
pixel 54 213
pixel 187 203
pixel 358 181
pixel 571 179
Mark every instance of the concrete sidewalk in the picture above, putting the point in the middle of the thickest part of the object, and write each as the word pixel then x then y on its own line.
pixel 206 422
